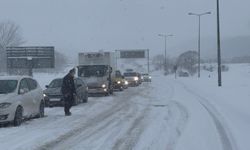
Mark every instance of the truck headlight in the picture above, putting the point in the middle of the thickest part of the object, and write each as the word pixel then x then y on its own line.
pixel 136 78
pixel 4 105
pixel 104 85
pixel 44 95
pixel 150 77
pixel 119 82
pixel 126 82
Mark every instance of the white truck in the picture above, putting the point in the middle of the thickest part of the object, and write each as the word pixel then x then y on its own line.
pixel 97 69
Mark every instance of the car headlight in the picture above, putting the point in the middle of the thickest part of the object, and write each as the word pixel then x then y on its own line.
pixel 149 77
pixel 136 78
pixel 126 82
pixel 4 105
pixel 119 82
pixel 103 86
pixel 44 95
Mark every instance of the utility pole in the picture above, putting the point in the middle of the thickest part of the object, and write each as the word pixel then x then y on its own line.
pixel 148 59
pixel 116 57
pixel 218 45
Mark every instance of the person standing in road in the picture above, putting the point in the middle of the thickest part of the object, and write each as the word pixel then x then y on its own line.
pixel 68 91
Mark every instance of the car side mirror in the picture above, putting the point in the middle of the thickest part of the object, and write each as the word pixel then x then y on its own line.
pixel 46 86
pixel 23 91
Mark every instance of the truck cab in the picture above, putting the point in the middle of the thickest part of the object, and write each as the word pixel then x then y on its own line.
pixel 97 78
pixel 96 69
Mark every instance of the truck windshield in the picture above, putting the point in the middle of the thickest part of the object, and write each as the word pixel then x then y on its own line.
pixel 7 86
pixel 95 70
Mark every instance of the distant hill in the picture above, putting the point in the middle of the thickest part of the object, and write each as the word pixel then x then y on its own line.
pixel 236 47
pixel 230 47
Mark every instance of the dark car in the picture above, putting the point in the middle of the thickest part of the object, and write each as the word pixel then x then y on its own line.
pixel 53 95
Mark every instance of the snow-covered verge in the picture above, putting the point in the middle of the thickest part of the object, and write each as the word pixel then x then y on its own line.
pixel 230 103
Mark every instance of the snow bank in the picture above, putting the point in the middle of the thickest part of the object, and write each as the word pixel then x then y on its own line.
pixel 232 100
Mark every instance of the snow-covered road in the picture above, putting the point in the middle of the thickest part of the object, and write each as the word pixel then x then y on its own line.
pixel 164 114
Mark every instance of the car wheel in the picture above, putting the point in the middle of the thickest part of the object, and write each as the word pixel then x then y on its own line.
pixel 47 104
pixel 85 100
pixel 18 116
pixel 41 110
pixel 111 91
pixel 107 94
pixel 76 100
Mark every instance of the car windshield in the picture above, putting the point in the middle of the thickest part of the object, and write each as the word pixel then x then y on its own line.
pixel 130 74
pixel 92 71
pixel 8 86
pixel 56 83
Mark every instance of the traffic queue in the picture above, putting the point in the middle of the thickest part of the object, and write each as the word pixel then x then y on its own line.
pixel 22 98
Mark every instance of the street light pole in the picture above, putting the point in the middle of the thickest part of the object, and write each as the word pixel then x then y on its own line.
pixel 218 44
pixel 199 39
pixel 165 56
pixel 199 48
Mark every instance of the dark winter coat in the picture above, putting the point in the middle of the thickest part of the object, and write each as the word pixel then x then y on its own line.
pixel 68 86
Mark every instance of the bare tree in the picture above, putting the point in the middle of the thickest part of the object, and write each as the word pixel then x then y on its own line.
pixel 188 61
pixel 158 62
pixel 10 35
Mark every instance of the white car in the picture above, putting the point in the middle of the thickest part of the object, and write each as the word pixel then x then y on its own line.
pixel 146 77
pixel 20 98
pixel 132 78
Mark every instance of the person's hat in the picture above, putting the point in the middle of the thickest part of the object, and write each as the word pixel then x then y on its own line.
pixel 72 70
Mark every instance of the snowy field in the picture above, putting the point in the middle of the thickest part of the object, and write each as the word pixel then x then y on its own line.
pixel 167 114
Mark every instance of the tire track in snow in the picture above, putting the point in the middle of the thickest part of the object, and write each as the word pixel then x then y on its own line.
pixel 81 128
pixel 97 132
pixel 178 122
pixel 99 118
pixel 175 121
pixel 226 138
pixel 129 140
pixel 169 123
pixel 177 118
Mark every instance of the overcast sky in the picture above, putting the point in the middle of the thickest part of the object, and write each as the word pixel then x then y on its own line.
pixel 89 25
